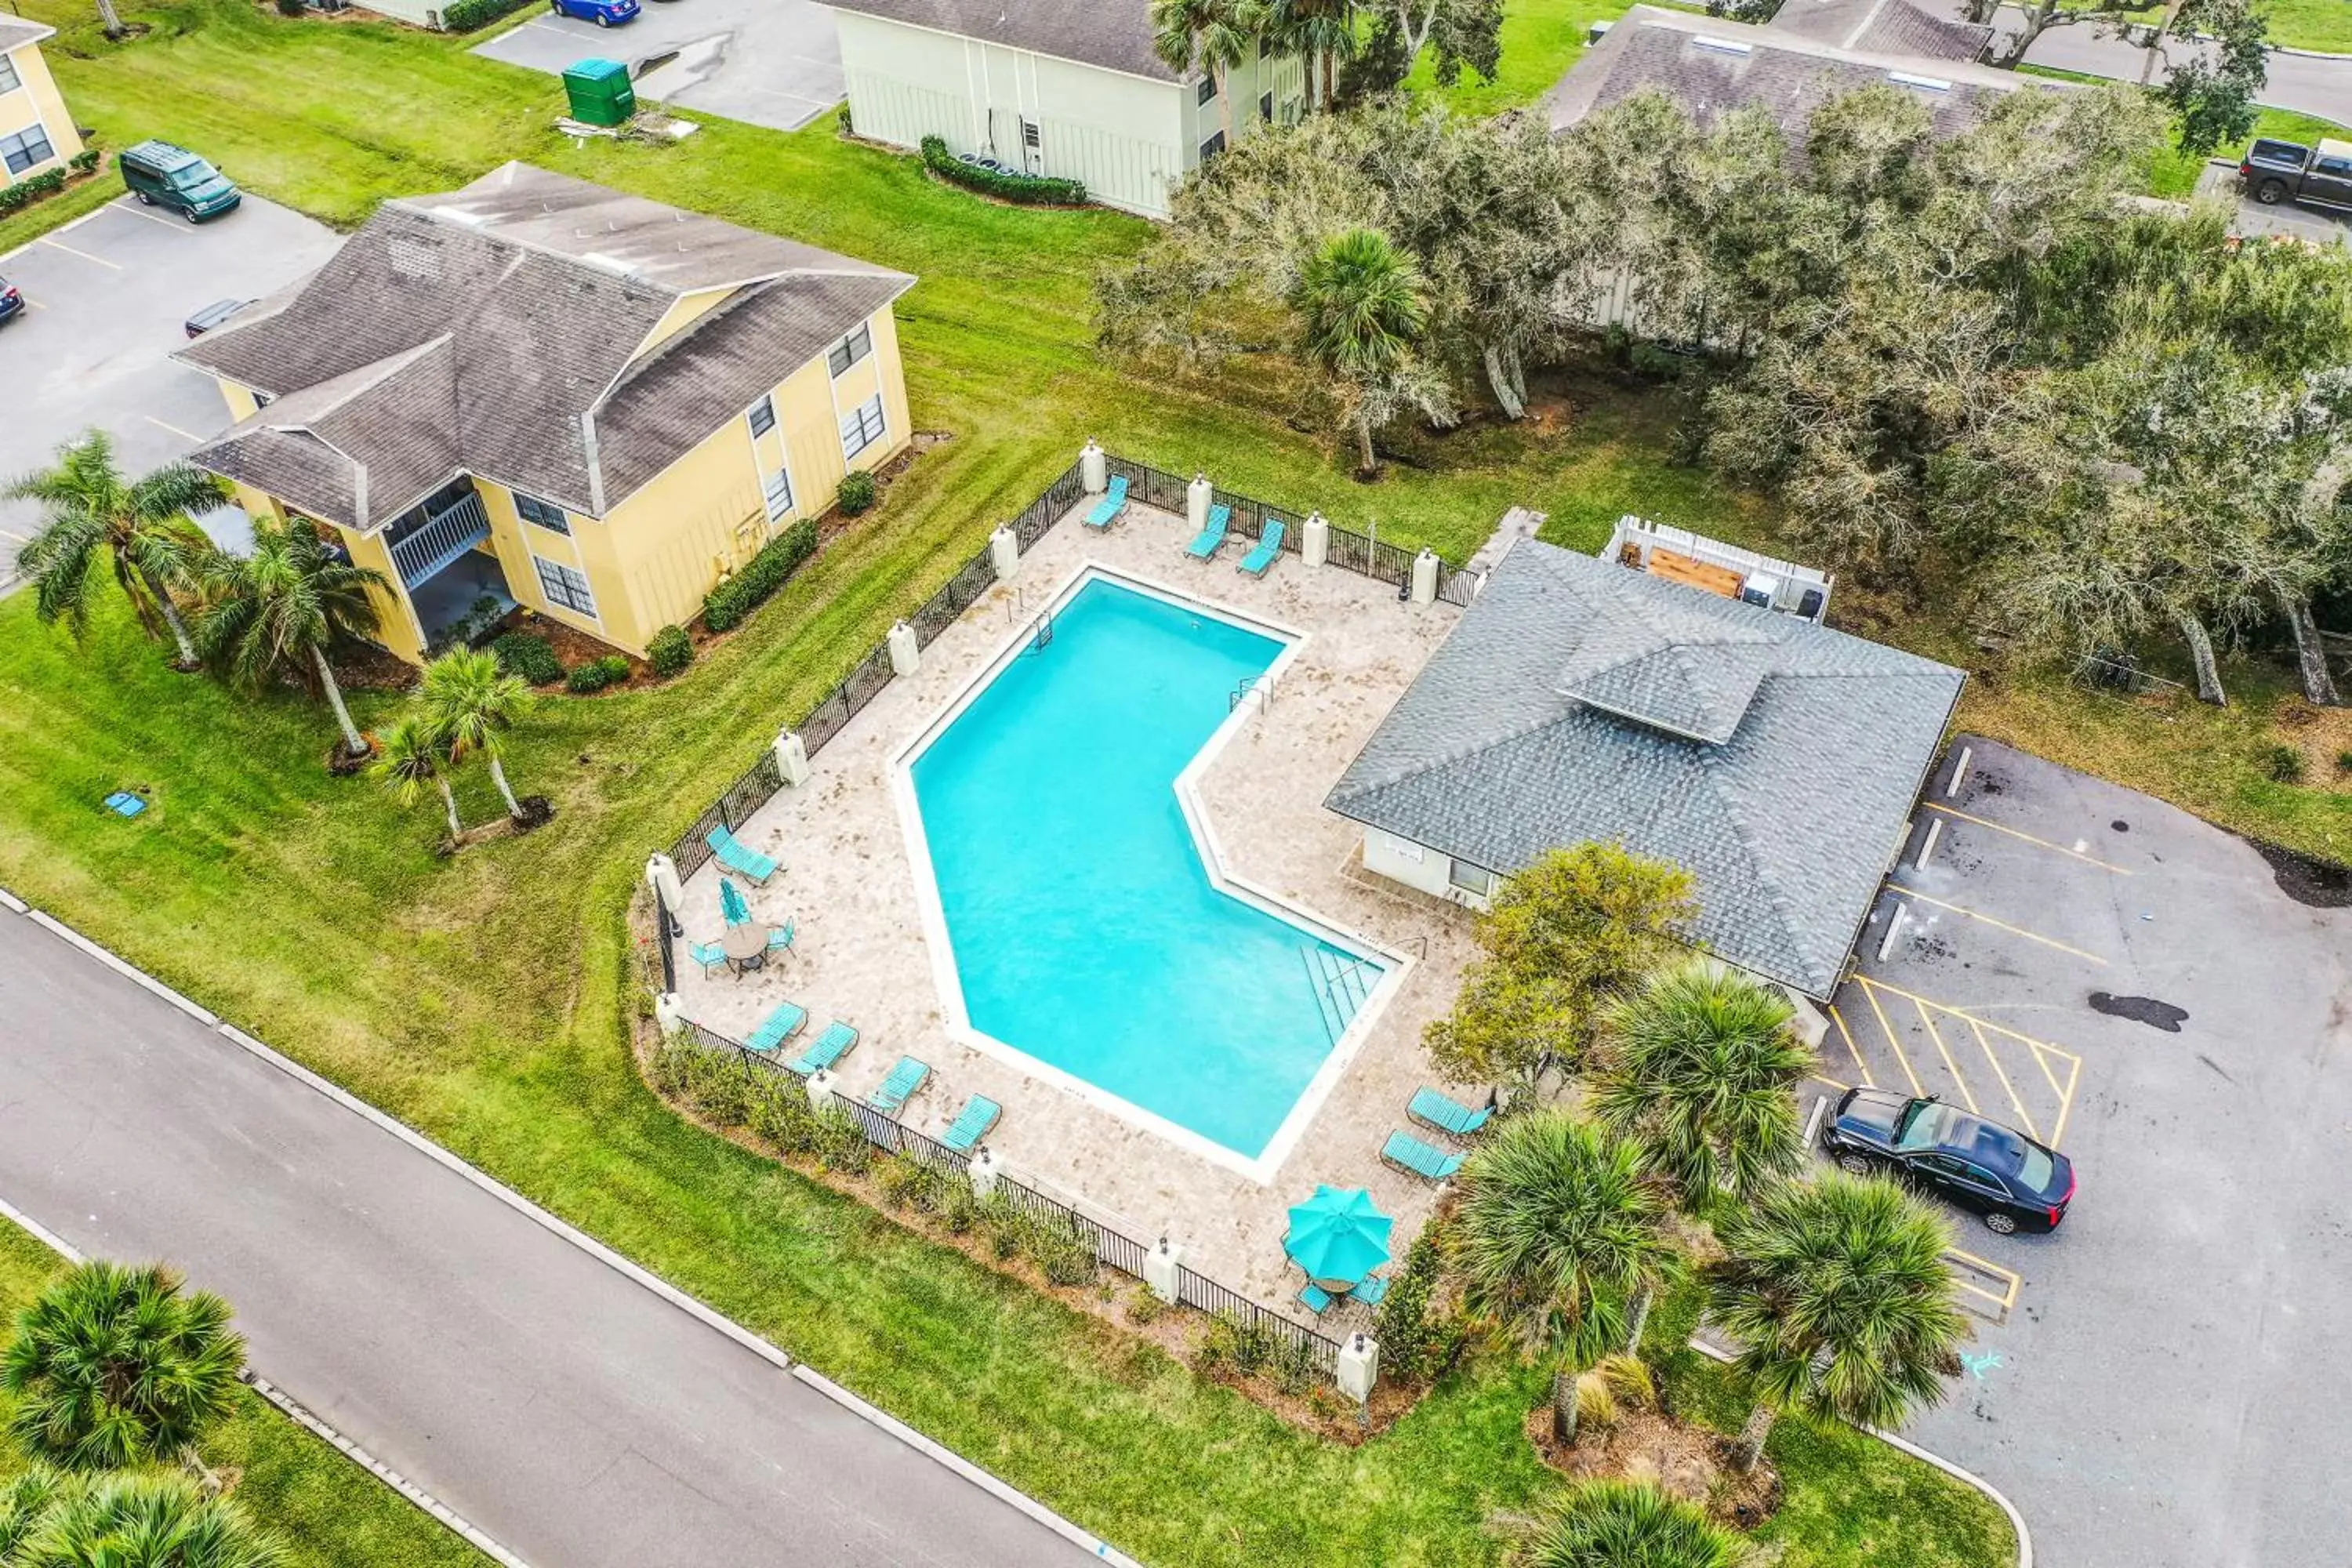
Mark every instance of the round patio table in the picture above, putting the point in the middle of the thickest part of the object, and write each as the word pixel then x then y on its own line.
pixel 746 946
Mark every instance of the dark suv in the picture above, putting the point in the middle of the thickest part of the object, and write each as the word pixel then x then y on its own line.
pixel 2272 171
pixel 2014 1182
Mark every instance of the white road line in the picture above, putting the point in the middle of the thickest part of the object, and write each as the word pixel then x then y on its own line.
pixel 175 429
pixel 130 209
pixel 86 255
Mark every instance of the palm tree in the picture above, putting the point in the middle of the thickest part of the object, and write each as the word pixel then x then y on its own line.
pixel 1625 1524
pixel 470 702
pixel 1838 1295
pixel 115 1365
pixel 147 1520
pixel 279 610
pixel 410 755
pixel 143 527
pixel 1556 1231
pixel 1216 34
pixel 1321 31
pixel 1361 309
pixel 1698 1069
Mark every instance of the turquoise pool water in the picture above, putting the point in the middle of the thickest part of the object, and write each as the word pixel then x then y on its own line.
pixel 1085 929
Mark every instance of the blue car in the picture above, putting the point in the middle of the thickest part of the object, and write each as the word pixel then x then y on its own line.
pixel 604 13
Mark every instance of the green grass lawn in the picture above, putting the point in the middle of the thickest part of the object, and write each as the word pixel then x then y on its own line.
pixel 325 1510
pixel 2322 25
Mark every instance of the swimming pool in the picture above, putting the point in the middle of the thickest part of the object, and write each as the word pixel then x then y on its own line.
pixel 1088 937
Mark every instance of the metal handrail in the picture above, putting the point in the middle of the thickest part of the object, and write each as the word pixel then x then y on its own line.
pixel 440 540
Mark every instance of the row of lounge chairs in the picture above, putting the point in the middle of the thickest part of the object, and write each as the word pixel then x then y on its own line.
pixel 1268 549
pixel 904 1079
pixel 1447 1115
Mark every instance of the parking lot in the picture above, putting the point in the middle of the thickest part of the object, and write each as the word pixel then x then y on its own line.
pixel 108 297
pixel 2160 1382
pixel 770 62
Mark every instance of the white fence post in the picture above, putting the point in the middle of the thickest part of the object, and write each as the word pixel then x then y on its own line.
pixel 1358 1366
pixel 1094 468
pixel 792 759
pixel 1197 496
pixel 1005 551
pixel 661 874
pixel 1424 577
pixel 983 1172
pixel 1161 1269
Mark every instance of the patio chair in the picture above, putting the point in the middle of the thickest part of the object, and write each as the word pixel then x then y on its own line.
pixel 789 1019
pixel 973 1122
pixel 1447 1114
pixel 779 939
pixel 1315 1299
pixel 825 1049
pixel 1408 1152
pixel 1369 1292
pixel 709 954
pixel 1269 549
pixel 1114 502
pixel 900 1087
pixel 738 857
pixel 1206 542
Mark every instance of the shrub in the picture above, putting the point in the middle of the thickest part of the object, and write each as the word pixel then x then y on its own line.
pixel 712 1080
pixel 1414 1343
pixel 841 1142
pixel 528 656
pixel 2282 764
pixel 1035 189
pixel 598 674
pixel 32 188
pixel 291 7
pixel 465 16
pixel 83 161
pixel 858 492
pixel 670 651
pixel 2344 762
pixel 724 608
pixel 1145 1307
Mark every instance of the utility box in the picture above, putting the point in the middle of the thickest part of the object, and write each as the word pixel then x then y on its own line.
pixel 600 93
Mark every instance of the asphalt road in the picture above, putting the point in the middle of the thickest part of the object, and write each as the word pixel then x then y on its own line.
pixel 770 62
pixel 564 1408
pixel 2164 1388
pixel 2308 83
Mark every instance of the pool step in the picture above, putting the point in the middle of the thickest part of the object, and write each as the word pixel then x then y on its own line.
pixel 1342 985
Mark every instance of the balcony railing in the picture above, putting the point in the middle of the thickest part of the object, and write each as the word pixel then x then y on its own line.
pixel 440 539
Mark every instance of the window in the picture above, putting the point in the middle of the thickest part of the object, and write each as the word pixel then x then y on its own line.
pixel 1212 146
pixel 545 514
pixel 861 426
pixel 849 350
pixel 9 80
pixel 24 149
pixel 564 586
pixel 763 415
pixel 779 488
pixel 1207 93
pixel 2335 166
pixel 1472 879
pixel 1266 107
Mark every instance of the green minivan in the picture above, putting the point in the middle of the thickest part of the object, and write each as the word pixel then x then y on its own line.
pixel 161 175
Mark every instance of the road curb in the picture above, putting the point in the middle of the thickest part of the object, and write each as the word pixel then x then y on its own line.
pixel 945 1458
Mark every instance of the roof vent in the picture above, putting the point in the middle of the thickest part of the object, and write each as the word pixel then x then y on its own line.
pixel 1723 45
pixel 1930 83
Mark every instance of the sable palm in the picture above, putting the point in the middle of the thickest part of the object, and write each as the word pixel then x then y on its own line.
pixel 410 755
pixel 470 702
pixel 279 610
pixel 150 1521
pixel 1698 1069
pixel 143 528
pixel 115 1365
pixel 1214 35
pixel 1556 1231
pixel 1838 1295
pixel 1361 309
pixel 1625 1524
pixel 1323 31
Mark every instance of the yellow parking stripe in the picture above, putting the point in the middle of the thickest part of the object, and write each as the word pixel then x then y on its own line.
pixel 1870 995
pixel 2017 1105
pixel 2013 1280
pixel 2029 839
pixel 2066 1104
pixel 1950 1065
pixel 1847 1035
pixel 1913 893
pixel 2042 1050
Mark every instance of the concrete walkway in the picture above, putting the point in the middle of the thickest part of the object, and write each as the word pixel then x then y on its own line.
pixel 2310 84
pixel 561 1405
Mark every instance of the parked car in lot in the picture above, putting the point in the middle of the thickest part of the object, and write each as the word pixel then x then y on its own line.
pixel 604 13
pixel 161 175
pixel 2014 1182
pixel 212 316
pixel 12 301
pixel 2272 171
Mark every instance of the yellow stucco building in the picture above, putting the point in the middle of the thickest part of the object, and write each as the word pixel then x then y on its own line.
pixel 36 131
pixel 539 392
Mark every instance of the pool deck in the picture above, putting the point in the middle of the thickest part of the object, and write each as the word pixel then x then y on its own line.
pixel 861 954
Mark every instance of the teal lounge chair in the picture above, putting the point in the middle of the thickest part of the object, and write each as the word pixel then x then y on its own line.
pixel 737 858
pixel 825 1049
pixel 1408 1152
pixel 1107 510
pixel 1269 547
pixel 709 954
pixel 900 1087
pixel 1206 545
pixel 1370 1291
pixel 1315 1299
pixel 779 939
pixel 973 1122
pixel 1448 1115
pixel 789 1019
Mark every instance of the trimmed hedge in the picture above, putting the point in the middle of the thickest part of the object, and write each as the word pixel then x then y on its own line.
pixel 1035 189
pixel 724 608
pixel 465 16
pixel 670 651
pixel 32 188
pixel 858 494
pixel 528 656
pixel 597 674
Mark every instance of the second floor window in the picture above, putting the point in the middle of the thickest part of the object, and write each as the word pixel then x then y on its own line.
pixel 545 514
pixel 849 350
pixel 862 426
pixel 565 588
pixel 1207 91
pixel 763 415
pixel 9 80
pixel 779 487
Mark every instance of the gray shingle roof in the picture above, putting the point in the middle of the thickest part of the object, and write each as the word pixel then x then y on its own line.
pixel 1492 755
pixel 15 33
pixel 1883 27
pixel 1113 33
pixel 1711 67
pixel 472 331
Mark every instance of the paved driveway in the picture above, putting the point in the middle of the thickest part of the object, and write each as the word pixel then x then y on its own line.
pixel 770 62
pixel 2160 1384
pixel 109 295
pixel 2220 181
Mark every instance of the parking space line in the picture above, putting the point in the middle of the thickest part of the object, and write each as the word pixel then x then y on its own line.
pixel 2042 1050
pixel 1999 924
pixel 1851 1050
pixel 2046 844
pixel 130 209
pixel 2010 1280
pixel 1951 1065
pixel 175 429
pixel 2067 1101
pixel 2023 1115
pixel 1870 995
pixel 86 255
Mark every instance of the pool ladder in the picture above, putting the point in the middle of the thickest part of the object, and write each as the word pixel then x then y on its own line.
pixel 1247 689
pixel 1041 632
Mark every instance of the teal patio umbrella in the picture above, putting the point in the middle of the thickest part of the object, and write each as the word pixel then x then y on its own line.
pixel 731 904
pixel 1338 1236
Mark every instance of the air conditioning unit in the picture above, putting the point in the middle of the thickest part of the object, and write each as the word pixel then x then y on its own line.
pixel 1759 589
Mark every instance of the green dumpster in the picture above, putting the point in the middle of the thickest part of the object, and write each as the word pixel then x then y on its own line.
pixel 600 93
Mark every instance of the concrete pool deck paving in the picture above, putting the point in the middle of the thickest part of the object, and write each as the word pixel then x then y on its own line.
pixel 861 954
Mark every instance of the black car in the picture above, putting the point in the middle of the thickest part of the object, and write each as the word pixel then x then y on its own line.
pixel 2272 171
pixel 2014 1182
pixel 212 316
pixel 12 301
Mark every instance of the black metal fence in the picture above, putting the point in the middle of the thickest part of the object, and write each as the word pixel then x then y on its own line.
pixel 1197 1291
pixel 976 577
pixel 1043 513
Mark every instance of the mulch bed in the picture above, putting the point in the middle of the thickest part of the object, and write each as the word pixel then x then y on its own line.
pixel 1693 1463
